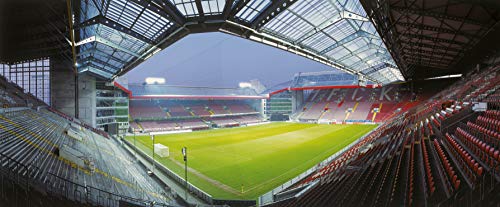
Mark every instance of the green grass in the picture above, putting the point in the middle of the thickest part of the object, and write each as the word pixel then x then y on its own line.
pixel 252 160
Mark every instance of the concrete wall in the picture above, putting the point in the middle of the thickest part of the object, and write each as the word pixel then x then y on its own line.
pixel 87 99
pixel 62 86
pixel 62 90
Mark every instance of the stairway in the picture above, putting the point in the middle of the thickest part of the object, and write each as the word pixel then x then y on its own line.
pixel 375 113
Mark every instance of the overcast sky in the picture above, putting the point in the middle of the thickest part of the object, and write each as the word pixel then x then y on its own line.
pixel 222 60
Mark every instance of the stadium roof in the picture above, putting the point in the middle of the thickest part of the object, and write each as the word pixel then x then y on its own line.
pixel 424 38
pixel 145 91
pixel 319 80
pixel 113 36
pixel 33 29
pixel 323 78
pixel 430 38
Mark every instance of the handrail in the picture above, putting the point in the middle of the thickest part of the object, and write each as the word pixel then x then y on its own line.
pixel 100 193
pixel 79 193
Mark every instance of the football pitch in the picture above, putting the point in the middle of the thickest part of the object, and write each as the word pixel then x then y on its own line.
pixel 246 162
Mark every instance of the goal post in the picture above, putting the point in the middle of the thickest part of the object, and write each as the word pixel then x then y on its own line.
pixel 161 150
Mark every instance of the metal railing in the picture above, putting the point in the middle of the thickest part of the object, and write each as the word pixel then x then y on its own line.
pixel 57 186
pixel 90 195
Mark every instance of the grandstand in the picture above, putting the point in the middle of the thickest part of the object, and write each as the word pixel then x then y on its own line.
pixel 155 108
pixel 407 114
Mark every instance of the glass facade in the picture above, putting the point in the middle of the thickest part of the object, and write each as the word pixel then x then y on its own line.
pixel 33 76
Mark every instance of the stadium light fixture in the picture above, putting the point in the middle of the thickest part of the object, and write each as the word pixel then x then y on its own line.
pixel 445 76
pixel 245 85
pixel 154 80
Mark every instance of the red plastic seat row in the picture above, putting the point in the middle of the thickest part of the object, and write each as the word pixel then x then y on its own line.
pixel 485 152
pixel 431 132
pixel 447 166
pixel 422 129
pixel 428 171
pixel 436 122
pixel 484 130
pixel 439 116
pixel 488 136
pixel 489 123
pixel 493 114
pixel 411 174
pixel 471 162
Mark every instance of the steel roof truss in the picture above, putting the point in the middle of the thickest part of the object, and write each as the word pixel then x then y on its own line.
pixel 359 33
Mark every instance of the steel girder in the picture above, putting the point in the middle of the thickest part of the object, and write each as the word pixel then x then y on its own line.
pixel 270 12
pixel 360 50
pixel 115 25
pixel 94 50
pixel 102 62
pixel 424 12
pixel 358 34
pixel 437 29
pixel 434 39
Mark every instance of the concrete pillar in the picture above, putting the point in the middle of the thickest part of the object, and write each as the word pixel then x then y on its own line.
pixel 87 99
pixel 62 86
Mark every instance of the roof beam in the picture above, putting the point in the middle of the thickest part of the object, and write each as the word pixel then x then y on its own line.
pixel 99 19
pixel 426 53
pixel 160 10
pixel 113 45
pixel 201 13
pixel 376 68
pixel 423 12
pixel 430 64
pixel 92 69
pixel 96 60
pixel 272 11
pixel 370 57
pixel 494 4
pixel 433 39
pixel 427 58
pixel 97 6
pixel 421 45
pixel 95 67
pixel 97 51
pixel 360 50
pixel 382 77
pixel 237 8
pixel 424 60
pixel 320 27
pixel 175 15
pixel 108 43
pixel 436 29
pixel 227 9
pixel 349 38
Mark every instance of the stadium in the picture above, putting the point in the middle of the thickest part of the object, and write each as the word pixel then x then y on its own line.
pixel 249 103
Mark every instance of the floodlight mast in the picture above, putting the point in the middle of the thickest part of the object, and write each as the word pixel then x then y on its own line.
pixel 135 147
pixel 153 160
pixel 184 153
